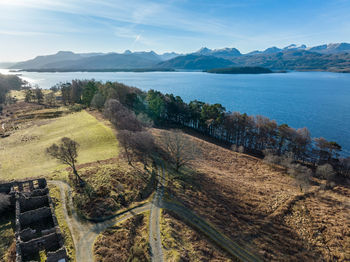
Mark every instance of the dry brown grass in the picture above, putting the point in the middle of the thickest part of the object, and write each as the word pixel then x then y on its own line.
pixel 181 243
pixel 127 241
pixel 111 185
pixel 252 203
pixel 323 221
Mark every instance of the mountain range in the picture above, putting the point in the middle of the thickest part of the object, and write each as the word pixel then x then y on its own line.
pixel 328 57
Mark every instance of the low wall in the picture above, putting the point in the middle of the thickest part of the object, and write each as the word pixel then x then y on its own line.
pixel 57 256
pixel 30 203
pixel 5 188
pixel 32 216
pixel 36 224
pixel 49 243
pixel 33 184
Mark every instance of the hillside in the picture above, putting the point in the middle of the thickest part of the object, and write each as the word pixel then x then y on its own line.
pixel 261 207
pixel 223 53
pixel 283 60
pixel 240 70
pixel 196 62
pixel 42 61
pixel 298 60
pixel 69 61
pixel 328 57
pixel 222 201
pixel 22 154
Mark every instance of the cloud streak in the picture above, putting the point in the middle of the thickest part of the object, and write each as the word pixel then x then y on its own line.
pixel 169 25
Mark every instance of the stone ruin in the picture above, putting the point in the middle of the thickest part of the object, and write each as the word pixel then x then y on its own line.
pixel 37 229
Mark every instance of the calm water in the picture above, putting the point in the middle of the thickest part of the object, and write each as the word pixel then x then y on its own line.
pixel 318 100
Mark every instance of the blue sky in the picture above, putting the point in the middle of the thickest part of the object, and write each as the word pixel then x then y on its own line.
pixel 38 27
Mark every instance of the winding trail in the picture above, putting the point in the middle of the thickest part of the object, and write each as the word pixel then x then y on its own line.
pixel 85 232
pixel 155 239
pixel 212 233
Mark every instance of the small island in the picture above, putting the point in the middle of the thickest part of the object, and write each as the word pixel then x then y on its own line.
pixel 240 70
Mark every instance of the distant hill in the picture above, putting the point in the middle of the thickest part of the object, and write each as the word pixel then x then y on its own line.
pixel 167 56
pixel 298 60
pixel 223 53
pixel 293 59
pixel 240 70
pixel 195 62
pixel 328 57
pixel 109 61
pixel 42 61
pixel 69 61
pixel 6 64
pixel 331 48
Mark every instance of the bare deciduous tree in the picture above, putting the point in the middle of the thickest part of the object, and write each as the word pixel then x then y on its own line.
pixel 50 99
pixel 143 146
pixel 124 137
pixel 302 175
pixel 180 149
pixel 326 172
pixel 136 144
pixel 66 153
pixel 121 117
pixel 345 167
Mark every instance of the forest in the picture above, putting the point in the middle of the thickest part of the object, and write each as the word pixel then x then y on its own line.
pixel 256 135
pixel 7 83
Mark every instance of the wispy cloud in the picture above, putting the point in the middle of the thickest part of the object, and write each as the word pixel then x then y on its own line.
pixel 26 33
pixel 147 13
pixel 175 25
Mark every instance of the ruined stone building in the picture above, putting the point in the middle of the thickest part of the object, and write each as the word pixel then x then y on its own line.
pixel 37 230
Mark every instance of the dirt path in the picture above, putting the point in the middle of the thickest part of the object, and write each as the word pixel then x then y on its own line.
pixel 201 225
pixel 155 239
pixel 84 233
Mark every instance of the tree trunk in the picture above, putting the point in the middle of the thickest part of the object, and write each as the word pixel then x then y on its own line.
pixel 81 181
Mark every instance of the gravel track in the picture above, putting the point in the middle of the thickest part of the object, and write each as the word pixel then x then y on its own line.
pixel 155 239
pixel 85 232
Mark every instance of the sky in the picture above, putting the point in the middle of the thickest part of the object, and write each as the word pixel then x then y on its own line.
pixel 39 27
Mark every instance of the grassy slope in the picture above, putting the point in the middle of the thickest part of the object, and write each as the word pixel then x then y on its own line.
pixel 181 243
pixel 259 206
pixel 28 159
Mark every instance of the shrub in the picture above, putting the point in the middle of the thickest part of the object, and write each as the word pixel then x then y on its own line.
pixel 326 172
pixel 270 157
pixel 76 108
pixel 302 175
pixel 98 101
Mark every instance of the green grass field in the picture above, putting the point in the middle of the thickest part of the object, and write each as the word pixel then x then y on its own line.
pixel 23 153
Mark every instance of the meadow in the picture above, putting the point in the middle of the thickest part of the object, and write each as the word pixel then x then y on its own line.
pixel 23 155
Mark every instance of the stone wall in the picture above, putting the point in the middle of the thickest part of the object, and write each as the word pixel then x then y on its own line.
pixel 56 256
pixel 36 224
pixel 5 188
pixel 30 203
pixel 35 216
pixel 49 242
pixel 34 184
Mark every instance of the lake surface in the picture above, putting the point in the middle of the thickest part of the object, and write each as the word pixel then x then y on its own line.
pixel 319 101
